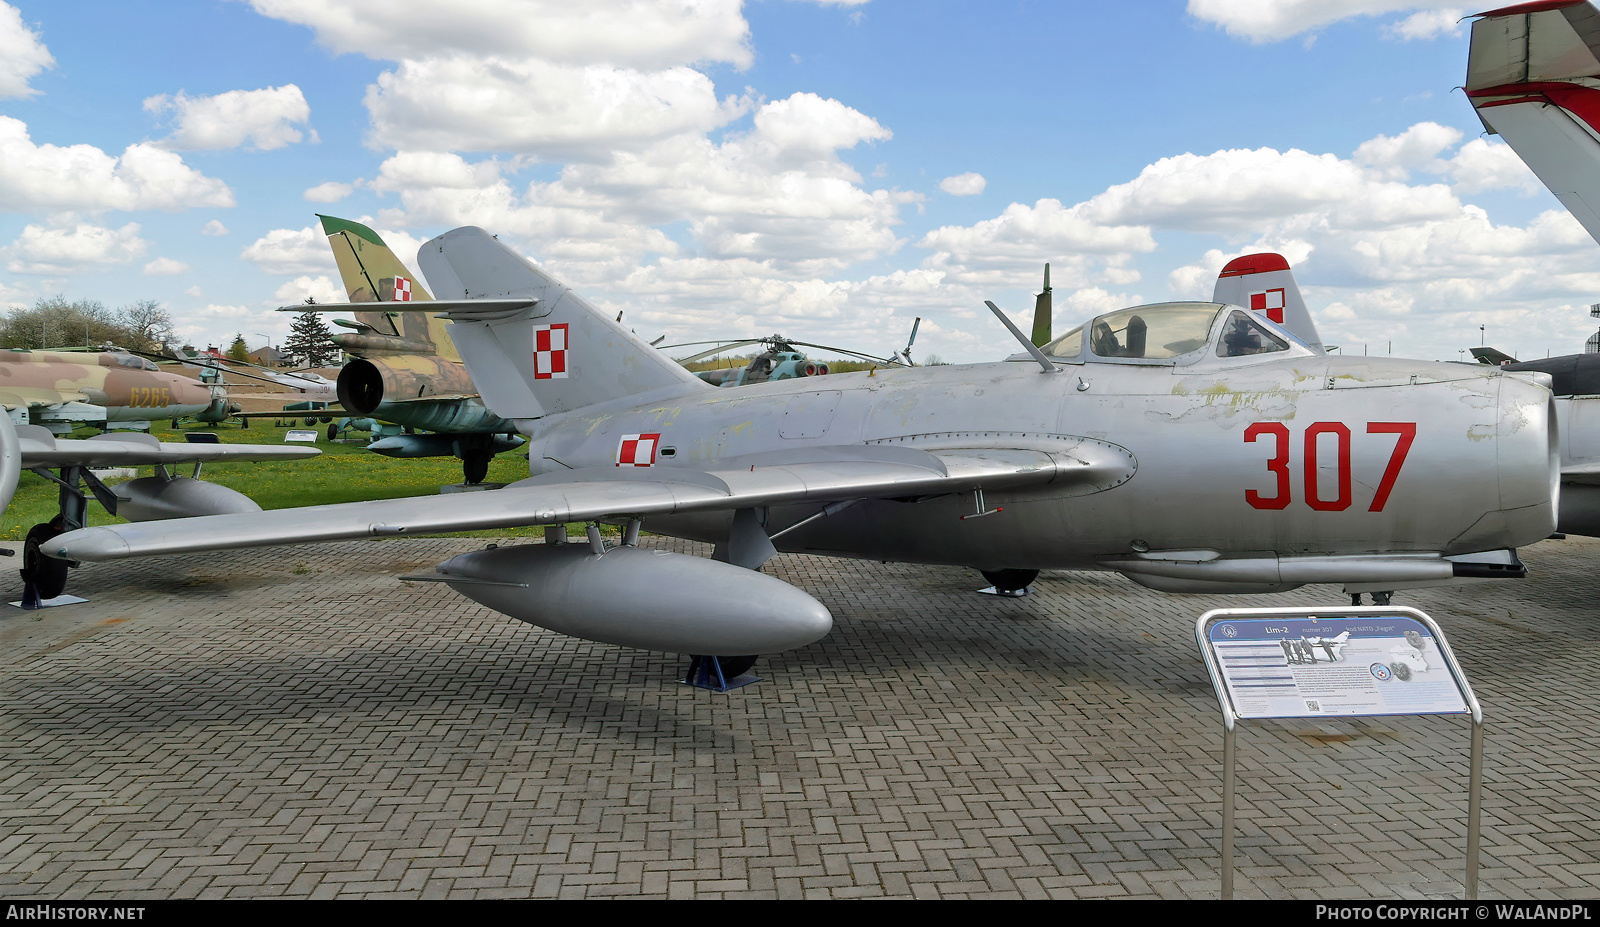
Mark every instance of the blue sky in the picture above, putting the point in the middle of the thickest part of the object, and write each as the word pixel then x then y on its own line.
pixel 829 170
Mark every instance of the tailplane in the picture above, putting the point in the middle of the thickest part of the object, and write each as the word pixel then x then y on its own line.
pixel 557 354
pixel 1533 75
pixel 1263 283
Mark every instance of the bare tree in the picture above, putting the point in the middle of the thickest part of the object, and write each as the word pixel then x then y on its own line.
pixel 147 324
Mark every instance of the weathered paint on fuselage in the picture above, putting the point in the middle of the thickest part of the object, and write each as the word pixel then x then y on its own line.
pixel 1207 439
pixel 121 384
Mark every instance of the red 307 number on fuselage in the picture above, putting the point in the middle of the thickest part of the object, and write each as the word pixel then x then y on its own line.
pixel 1321 495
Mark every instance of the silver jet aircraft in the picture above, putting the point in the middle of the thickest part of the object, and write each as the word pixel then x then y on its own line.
pixel 1533 76
pixel 1190 446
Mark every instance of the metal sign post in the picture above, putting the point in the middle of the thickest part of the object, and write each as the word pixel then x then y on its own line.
pixel 1338 662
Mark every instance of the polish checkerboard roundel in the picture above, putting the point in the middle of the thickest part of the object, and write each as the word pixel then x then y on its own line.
pixel 402 290
pixel 1271 302
pixel 550 352
pixel 638 450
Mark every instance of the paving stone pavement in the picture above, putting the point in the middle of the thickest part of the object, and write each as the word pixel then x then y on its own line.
pixel 296 723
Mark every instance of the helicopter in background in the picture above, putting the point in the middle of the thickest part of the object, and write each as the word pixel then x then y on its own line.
pixel 781 359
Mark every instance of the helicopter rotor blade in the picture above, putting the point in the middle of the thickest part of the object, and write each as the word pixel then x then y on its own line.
pixel 828 347
pixel 723 346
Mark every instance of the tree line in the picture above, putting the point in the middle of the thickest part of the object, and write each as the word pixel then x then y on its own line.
pixel 55 322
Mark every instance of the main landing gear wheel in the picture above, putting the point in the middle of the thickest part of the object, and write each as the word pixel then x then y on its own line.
pixel 1010 582
pixel 475 467
pixel 333 432
pixel 47 574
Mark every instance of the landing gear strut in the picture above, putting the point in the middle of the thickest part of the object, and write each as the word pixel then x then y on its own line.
pixel 1009 583
pixel 1378 598
pixel 46 577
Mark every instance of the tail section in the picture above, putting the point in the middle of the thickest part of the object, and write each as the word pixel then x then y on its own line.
pixel 557 355
pixel 1263 283
pixel 1533 75
pixel 371 273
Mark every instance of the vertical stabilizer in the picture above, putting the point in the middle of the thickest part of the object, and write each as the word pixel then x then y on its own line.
pixel 371 272
pixel 1263 283
pixel 1533 75
pixel 558 355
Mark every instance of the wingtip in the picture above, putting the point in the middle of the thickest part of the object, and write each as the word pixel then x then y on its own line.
pixel 88 544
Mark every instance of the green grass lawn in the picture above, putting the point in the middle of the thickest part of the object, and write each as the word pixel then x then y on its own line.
pixel 344 473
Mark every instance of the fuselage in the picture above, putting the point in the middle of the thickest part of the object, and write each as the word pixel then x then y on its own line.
pixel 129 387
pixel 1313 454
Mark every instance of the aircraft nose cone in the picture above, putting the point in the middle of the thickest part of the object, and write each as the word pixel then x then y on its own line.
pixel 189 393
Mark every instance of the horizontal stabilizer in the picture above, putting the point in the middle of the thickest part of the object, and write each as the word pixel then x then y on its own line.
pixel 473 308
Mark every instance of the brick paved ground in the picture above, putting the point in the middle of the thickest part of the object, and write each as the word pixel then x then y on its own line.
pixel 298 724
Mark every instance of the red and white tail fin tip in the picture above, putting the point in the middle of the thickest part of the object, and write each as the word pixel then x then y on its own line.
pixel 1263 283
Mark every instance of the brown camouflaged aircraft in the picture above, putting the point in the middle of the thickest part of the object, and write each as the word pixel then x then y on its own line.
pixel 64 389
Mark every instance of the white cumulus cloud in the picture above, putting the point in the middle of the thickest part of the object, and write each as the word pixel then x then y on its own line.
pixel 291 251
pixel 321 288
pixel 968 184
pixel 22 55
pixel 1428 24
pixel 73 249
pixel 330 192
pixel 539 107
pixel 628 33
pixel 779 191
pixel 262 119
pixel 82 177
pixel 165 267
pixel 1273 20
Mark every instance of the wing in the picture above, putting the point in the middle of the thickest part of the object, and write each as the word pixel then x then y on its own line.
pixel 16 397
pixel 39 448
pixel 817 475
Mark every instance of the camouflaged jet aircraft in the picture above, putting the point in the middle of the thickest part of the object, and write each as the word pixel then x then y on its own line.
pixel 61 390
pixel 1190 446
pixel 405 370
pixel 1533 76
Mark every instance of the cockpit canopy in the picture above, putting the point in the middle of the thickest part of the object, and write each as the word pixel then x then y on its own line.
pixel 1177 333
